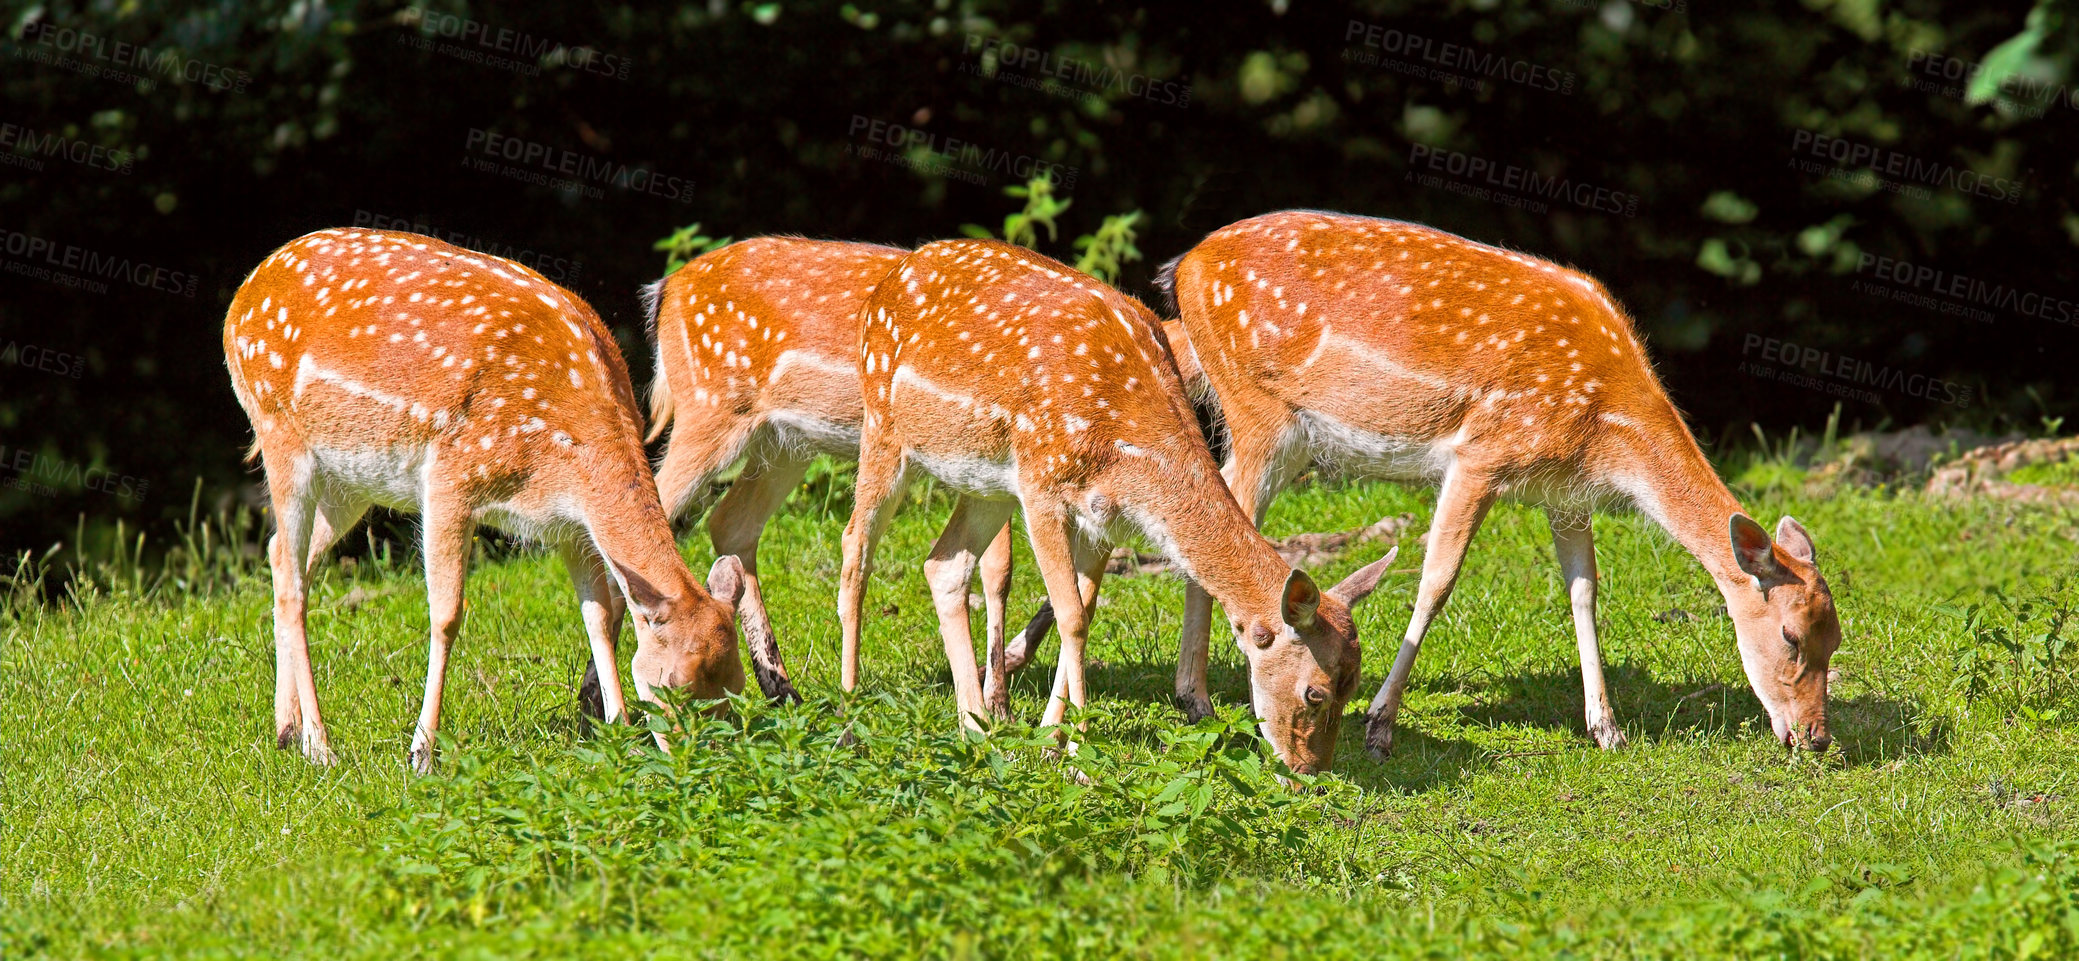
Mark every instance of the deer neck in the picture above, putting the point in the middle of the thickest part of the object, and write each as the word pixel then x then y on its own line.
pixel 1218 546
pixel 1682 493
pixel 620 509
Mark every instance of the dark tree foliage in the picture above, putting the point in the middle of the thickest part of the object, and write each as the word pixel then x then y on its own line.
pixel 1886 186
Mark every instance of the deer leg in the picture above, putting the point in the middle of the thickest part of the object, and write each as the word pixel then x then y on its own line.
pixel 1258 452
pixel 296 716
pixel 1573 538
pixel 996 593
pixel 448 526
pixel 1054 551
pixel 332 523
pixel 948 569
pixel 601 606
pixel 883 475
pixel 1462 502
pixel 703 442
pixel 734 525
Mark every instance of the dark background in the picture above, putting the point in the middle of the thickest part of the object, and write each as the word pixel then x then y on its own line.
pixel 260 122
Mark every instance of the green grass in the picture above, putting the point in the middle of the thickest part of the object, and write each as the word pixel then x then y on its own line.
pixel 145 811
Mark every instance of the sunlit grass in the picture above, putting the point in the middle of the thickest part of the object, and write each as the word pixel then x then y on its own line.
pixel 145 810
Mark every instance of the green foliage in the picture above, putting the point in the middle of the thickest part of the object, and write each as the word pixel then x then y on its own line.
pixel 684 244
pixel 1023 227
pixel 1110 249
pixel 149 813
pixel 1101 254
pixel 2013 56
pixel 2017 656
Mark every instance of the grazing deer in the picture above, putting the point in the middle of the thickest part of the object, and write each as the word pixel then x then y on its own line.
pixel 1397 349
pixel 757 360
pixel 1020 382
pixel 394 369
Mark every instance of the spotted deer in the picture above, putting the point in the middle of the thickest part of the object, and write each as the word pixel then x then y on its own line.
pixel 395 369
pixel 1022 383
pixel 1396 349
pixel 757 362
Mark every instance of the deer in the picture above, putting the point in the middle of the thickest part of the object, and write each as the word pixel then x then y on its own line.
pixel 393 369
pixel 1395 349
pixel 757 346
pixel 1028 386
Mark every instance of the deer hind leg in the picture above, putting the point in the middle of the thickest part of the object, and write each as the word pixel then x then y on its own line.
pixel 949 569
pixel 883 476
pixel 704 441
pixel 1573 538
pixel 734 525
pixel 1261 449
pixel 996 593
pixel 1462 502
pixel 296 717
pixel 448 526
pixel 601 607
pixel 334 520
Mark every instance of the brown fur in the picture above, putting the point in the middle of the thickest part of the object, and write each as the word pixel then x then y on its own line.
pixel 755 340
pixel 1025 383
pixel 1407 350
pixel 383 367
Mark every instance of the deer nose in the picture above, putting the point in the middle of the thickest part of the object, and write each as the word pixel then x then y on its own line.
pixel 1818 742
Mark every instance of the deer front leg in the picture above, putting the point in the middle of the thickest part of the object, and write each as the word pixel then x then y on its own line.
pixel 1053 551
pixel 735 525
pixel 1462 502
pixel 1573 538
pixel 448 528
pixel 601 607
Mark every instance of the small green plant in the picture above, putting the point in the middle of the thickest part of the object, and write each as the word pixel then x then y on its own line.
pixel 1023 227
pixel 1101 254
pixel 1110 249
pixel 686 243
pixel 2016 655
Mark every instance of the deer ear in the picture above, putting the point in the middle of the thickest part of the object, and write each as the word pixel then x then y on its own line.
pixel 725 580
pixel 647 600
pixel 1302 597
pixel 1753 550
pixel 1361 584
pixel 1791 536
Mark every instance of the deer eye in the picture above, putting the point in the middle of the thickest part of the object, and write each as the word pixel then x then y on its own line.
pixel 1316 696
pixel 1790 639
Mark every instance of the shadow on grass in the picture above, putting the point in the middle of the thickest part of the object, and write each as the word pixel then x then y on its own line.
pixel 1868 728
